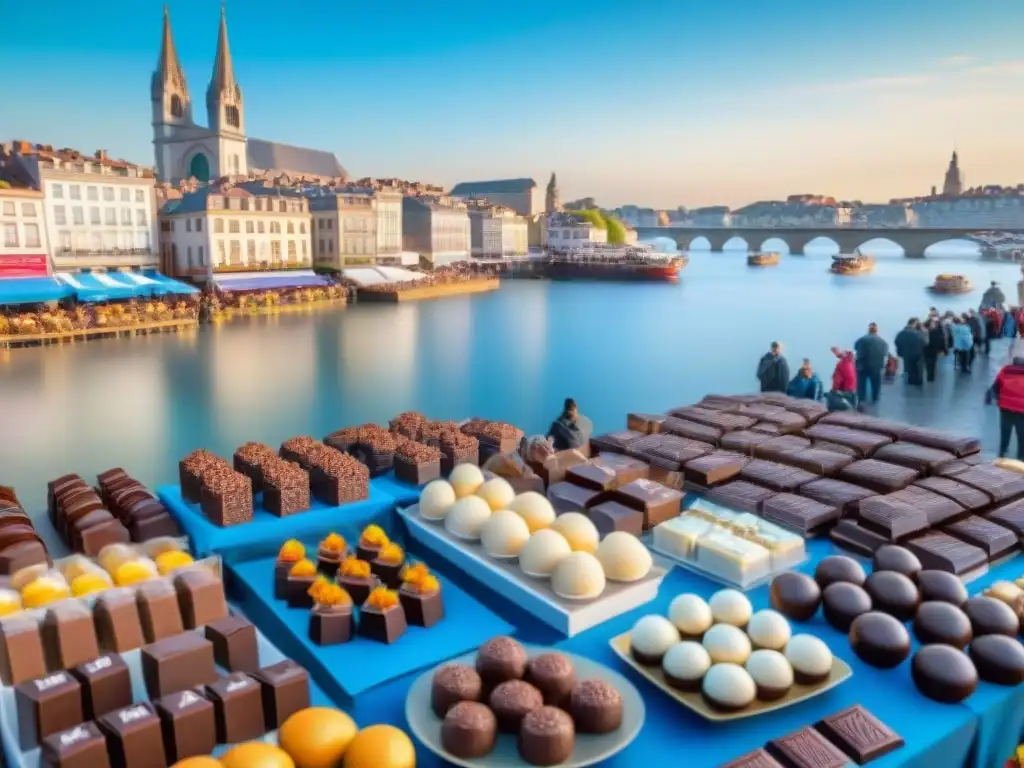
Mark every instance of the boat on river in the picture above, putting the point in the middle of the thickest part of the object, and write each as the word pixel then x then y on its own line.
pixel 625 264
pixel 946 283
pixel 763 258
pixel 855 263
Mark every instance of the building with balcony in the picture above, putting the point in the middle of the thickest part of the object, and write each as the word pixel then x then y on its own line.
pixel 566 232
pixel 521 195
pixel 24 250
pixel 496 232
pixel 344 226
pixel 437 228
pixel 387 205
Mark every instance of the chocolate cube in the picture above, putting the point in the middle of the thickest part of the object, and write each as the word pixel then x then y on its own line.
pixel 421 610
pixel 188 725
pixel 331 624
pixel 69 636
pixel 47 705
pixel 201 597
pixel 80 747
pixel 234 644
pixel 384 626
pixel 358 588
pixel 89 540
pixel 569 497
pixel 177 663
pixel 158 610
pixel 106 685
pixel 146 527
pixel 387 573
pixel 417 472
pixel 657 502
pixel 611 516
pixel 134 738
pixel 15 556
pixel 238 708
pixel 118 625
pixel 298 591
pixel 21 650
pixel 285 690
pixel 592 476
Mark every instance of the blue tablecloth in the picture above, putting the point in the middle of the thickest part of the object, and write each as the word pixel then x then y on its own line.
pixel 404 494
pixel 266 532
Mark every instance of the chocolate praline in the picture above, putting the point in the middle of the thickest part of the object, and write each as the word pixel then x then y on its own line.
pixel 879 640
pixel 941 586
pixel 512 701
pixel 937 622
pixel 595 706
pixel 552 674
pixel 839 568
pixel 991 617
pixel 453 683
pixel 893 593
pixel 999 659
pixel 469 730
pixel 499 659
pixel 944 673
pixel 890 557
pixel 547 737
pixel 795 595
pixel 842 602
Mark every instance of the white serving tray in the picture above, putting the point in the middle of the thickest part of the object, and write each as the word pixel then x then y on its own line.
pixel 570 617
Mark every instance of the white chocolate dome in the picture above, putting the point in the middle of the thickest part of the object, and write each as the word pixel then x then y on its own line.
pixel 581 534
pixel 726 644
pixel 730 685
pixel 504 534
pixel 769 629
pixel 542 552
pixel 466 479
pixel 686 661
pixel 624 557
pixel 690 614
pixel 497 493
pixel 466 517
pixel 730 606
pixel 653 635
pixel 578 575
pixel 535 509
pixel 770 669
pixel 436 499
pixel 808 655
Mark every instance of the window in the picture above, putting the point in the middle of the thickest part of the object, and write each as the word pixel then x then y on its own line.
pixel 291 228
pixel 126 195
pixel 202 257
pixel 140 217
pixel 220 252
pixel 275 227
pixel 65 241
pixel 302 227
pixel 259 227
pixel 8 209
pixel 305 253
pixel 58 191
pixel 218 226
pixel 176 109
pixel 92 193
pixel 199 225
pixel 275 249
pixel 330 224
pixel 250 250
pixel 126 216
pixel 108 194
pixel 250 228
pixel 94 215
pixel 75 191
pixel 58 215
pixel 188 225
pixel 10 235
pixel 330 245
pixel 140 195
pixel 188 255
pixel 236 252
pixel 232 117
pixel 321 245
pixel 282 206
pixel 234 226
pixel 78 216
pixel 28 210
pixel 110 217
pixel 319 223
pixel 31 235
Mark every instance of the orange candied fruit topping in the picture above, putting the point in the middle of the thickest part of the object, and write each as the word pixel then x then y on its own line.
pixel 333 543
pixel 425 585
pixel 291 551
pixel 317 588
pixel 413 573
pixel 303 569
pixel 391 554
pixel 332 594
pixel 353 566
pixel 382 598
pixel 374 536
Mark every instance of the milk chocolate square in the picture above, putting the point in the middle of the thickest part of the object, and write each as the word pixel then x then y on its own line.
pixel 47 705
pixel 177 663
pixel 610 516
pixel 201 597
pixel 285 690
pixel 569 497
pixel 591 476
pixel 118 625
pixel 238 708
pixel 158 610
pixel 234 644
pixel 106 685
pixel 21 650
pixel 657 502
pixel 69 636
pixel 860 734
pixel 134 737
pixel 82 746
pixel 807 748
pixel 188 725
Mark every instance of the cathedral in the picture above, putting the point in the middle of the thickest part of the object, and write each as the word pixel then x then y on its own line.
pixel 185 149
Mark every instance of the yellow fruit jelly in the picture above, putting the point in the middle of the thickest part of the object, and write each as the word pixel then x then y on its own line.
pixel 10 602
pixel 172 560
pixel 90 583
pixel 43 591
pixel 134 572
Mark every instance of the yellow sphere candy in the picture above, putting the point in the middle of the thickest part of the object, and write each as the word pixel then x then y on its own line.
pixel 88 583
pixel 256 754
pixel 133 572
pixel 199 762
pixel 44 591
pixel 171 560
pixel 380 746
pixel 317 737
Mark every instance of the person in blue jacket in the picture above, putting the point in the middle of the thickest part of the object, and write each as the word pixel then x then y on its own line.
pixel 963 344
pixel 806 384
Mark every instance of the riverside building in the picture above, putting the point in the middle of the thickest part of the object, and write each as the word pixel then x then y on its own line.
pixel 23 245
pixel 521 195
pixel 437 228
pixel 569 232
pixel 496 231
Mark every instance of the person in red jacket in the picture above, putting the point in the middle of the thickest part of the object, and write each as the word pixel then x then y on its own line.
pixel 1008 391
pixel 844 377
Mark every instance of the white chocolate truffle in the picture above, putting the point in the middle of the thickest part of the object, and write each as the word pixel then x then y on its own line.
pixel 730 606
pixel 729 685
pixel 809 656
pixel 497 493
pixel 581 534
pixel 726 644
pixel 466 518
pixel 504 534
pixel 624 557
pixel 436 499
pixel 535 509
pixel 652 636
pixel 466 479
pixel 686 662
pixel 769 629
pixel 579 576
pixel 772 673
pixel 542 552
pixel 690 614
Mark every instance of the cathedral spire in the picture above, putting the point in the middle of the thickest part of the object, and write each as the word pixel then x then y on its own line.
pixel 224 96
pixel 223 79
pixel 168 68
pixel 953 185
pixel 552 202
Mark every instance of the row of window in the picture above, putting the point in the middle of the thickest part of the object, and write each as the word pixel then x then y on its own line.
pixel 101 241
pixel 234 226
pixel 31 235
pixel 231 251
pixel 28 210
pixel 357 245
pixel 93 193
pixel 109 216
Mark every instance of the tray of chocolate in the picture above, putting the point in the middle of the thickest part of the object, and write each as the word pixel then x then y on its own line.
pixel 20 543
pixel 508 705
pixel 725 662
pixel 739 549
pixel 224 495
pixel 81 518
pixel 494 436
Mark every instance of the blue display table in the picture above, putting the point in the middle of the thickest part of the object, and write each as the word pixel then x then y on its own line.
pixel 265 533
pixel 404 494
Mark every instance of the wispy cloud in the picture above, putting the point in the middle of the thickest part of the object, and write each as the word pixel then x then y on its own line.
pixel 1000 68
pixel 958 61
pixel 891 82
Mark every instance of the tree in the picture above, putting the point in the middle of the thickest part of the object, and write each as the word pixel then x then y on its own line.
pixel 593 216
pixel 5 184
pixel 616 231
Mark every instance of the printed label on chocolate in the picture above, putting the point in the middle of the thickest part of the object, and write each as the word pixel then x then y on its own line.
pixel 132 714
pixel 237 685
pixel 188 698
pixel 103 662
pixel 51 681
pixel 76 734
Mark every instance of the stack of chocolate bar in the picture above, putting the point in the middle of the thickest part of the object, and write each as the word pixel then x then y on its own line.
pixel 226 496
pixel 80 516
pixel 457 448
pixel 298 449
pixel 250 458
pixel 144 515
pixel 416 463
pixel 408 423
pixel 286 488
pixel 376 449
pixel 20 545
pixel 191 470
pixel 337 478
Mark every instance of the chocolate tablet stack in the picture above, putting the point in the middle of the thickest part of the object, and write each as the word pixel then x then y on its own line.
pixel 20 545
pixel 286 488
pixel 417 463
pixel 408 423
pixel 494 437
pixel 82 519
pixel 250 459
pixel 343 439
pixel 337 478
pixel 191 470
pixel 376 449
pixel 226 496
pixel 144 515
pixel 299 449
pixel 458 448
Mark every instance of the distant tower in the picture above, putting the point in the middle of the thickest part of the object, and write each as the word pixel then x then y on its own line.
pixel 225 107
pixel 172 106
pixel 953 186
pixel 552 202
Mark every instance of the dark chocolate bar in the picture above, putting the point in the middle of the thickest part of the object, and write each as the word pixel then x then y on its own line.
pixel 860 734
pixel 942 552
pixel 714 468
pixel 807 748
pixel 960 446
pixel 919 457
pixel 840 493
pixel 778 477
pixel 740 495
pixel 1001 484
pixel 1009 515
pixel 878 476
pixel 938 509
pixel 893 519
pixel 856 538
pixel 759 758
pixel 865 443
pixel 743 441
pixel 995 539
pixel 776 446
pixel 815 461
pixel 806 516
pixel 691 430
pixel 971 499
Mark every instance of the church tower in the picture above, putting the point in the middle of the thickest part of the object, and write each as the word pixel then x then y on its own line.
pixel 552 201
pixel 225 107
pixel 953 186
pixel 172 105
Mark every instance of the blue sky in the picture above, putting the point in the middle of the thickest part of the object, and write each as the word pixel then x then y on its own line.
pixel 654 102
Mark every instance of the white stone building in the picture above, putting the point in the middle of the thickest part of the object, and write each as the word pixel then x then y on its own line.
pixel 437 228
pixel 497 232
pixel 23 245
pixel 569 232
pixel 521 195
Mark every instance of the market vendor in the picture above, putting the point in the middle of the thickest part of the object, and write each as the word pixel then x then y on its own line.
pixel 565 432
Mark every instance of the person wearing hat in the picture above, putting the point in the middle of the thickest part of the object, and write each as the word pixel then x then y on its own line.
pixel 565 432
pixel 872 353
pixel 773 370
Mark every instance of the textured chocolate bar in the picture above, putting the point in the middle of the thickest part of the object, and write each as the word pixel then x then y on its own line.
pixel 846 496
pixel 893 519
pixel 919 457
pixel 614 442
pixel 941 552
pixel 777 446
pixel 1001 484
pixel 714 468
pixel 848 534
pixel 807 516
pixel 938 509
pixel 967 497
pixel 865 443
pixel 961 446
pixel 860 734
pixel 743 441
pixel 672 448
pixel 787 421
pixel 995 539
pixel 807 748
pixel 740 495
pixel 778 477
pixel 816 461
pixel 759 758
pixel 878 475
pixel 848 419
pixel 723 422
pixel 691 430
pixel 953 469
pixel 1010 515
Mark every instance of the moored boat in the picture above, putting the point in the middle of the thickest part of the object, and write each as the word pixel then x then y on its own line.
pixel 630 264
pixel 854 263
pixel 946 283
pixel 763 258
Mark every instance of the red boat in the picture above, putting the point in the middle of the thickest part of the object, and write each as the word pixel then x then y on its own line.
pixel 629 265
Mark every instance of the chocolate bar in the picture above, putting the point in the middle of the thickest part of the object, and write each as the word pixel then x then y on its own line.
pixel 691 430
pixel 932 438
pixel 569 497
pixel 744 441
pixel 626 468
pixel 657 502
pixel 720 421
pixel 971 499
pixel 740 495
pixel 942 552
pixel 893 519
pixel 856 538
pixel 919 457
pixel 938 509
pixel 878 475
pixel 759 758
pixel 807 748
pixel 610 516
pixel 1000 484
pixel 1009 515
pixel 995 539
pixel 714 468
pixel 806 516
pixel 614 442
pixel 840 493
pixel 591 476
pixel 861 735
pixel 647 423
pixel 778 477
pixel 865 443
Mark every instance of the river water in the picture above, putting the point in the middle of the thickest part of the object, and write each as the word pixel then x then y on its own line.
pixel 143 403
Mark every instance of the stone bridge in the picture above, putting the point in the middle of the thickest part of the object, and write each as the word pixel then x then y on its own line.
pixel 912 240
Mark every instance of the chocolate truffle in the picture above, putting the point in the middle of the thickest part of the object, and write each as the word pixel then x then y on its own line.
pixel 106 685
pixel 284 687
pixel 499 659
pixel 134 737
pixel 795 595
pixel 234 643
pixel 238 707
pixel 596 706
pixel 80 747
pixel 879 639
pixel 893 593
pixel 453 683
pixel 839 568
pixel 46 706
pixel 938 622
pixel 469 730
pixel 944 673
pixel 844 601
pixel 547 737
pixel 999 659
pixel 513 700
pixel 188 725
pixel 990 616
pixel 941 586
pixel 552 674
pixel 890 557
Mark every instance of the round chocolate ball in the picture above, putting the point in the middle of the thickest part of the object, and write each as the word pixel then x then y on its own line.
pixel 499 659
pixel 469 730
pixel 547 736
pixel 893 593
pixel 839 568
pixel 879 639
pixel 942 586
pixel 842 602
pixel 795 595
pixel 944 673
pixel 999 659
pixel 512 701
pixel 890 557
pixel 552 674
pixel 596 707
pixel 942 623
pixel 452 684
pixel 991 617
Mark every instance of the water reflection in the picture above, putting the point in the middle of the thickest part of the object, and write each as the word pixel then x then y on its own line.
pixel 378 357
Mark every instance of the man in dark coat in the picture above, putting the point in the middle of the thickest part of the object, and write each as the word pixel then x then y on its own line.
pixel 773 370
pixel 565 432
pixel 872 353
pixel 937 345
pixel 910 346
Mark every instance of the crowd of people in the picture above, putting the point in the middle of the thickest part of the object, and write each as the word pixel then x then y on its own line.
pixel 65 318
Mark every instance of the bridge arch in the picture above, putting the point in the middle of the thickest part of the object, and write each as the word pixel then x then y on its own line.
pixel 698 244
pixel 954 248
pixel 776 244
pixel 736 243
pixel 881 247
pixel 821 246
